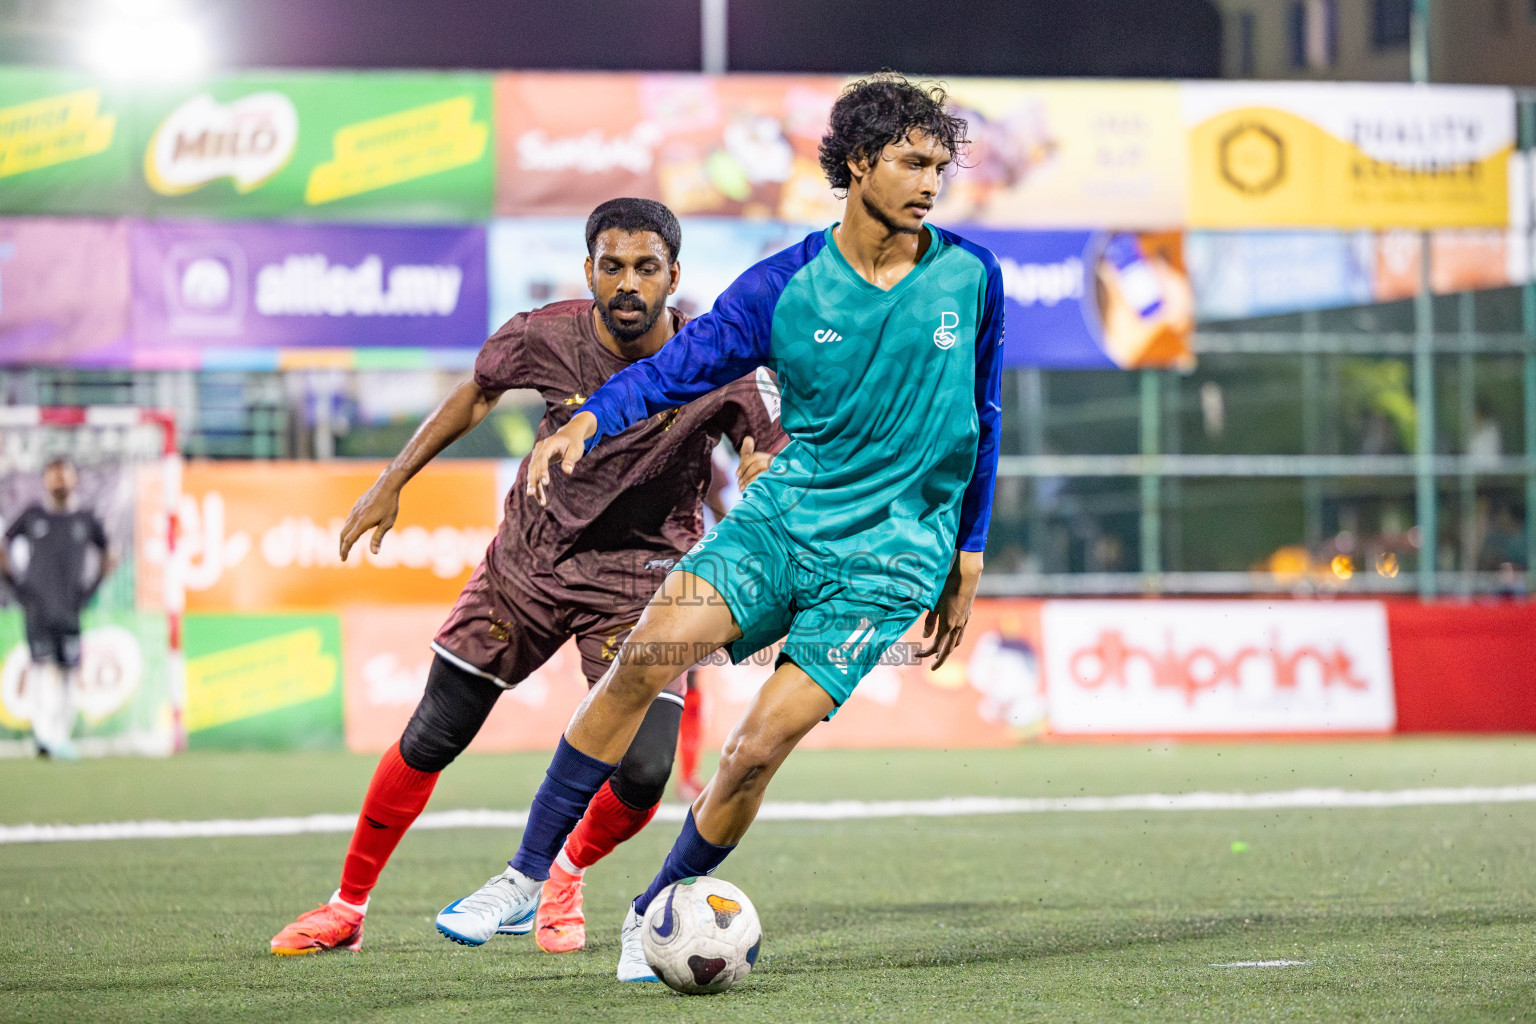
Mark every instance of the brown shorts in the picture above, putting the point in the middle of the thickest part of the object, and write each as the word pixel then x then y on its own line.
pixel 503 628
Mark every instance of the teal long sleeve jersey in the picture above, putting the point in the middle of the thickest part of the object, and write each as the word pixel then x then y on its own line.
pixel 891 398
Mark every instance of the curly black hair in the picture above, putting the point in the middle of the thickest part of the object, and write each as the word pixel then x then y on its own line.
pixel 636 215
pixel 875 112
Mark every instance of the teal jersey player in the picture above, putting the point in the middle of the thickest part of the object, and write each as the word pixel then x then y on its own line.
pixel 891 399
pixel 886 335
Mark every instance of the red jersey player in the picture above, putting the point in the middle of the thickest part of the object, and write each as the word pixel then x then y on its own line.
pixel 583 567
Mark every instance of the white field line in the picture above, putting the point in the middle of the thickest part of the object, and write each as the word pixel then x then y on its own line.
pixel 836 810
pixel 1266 963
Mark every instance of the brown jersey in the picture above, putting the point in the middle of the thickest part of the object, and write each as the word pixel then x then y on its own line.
pixel 634 503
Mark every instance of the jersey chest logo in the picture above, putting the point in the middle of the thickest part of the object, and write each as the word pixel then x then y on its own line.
pixel 826 336
pixel 944 337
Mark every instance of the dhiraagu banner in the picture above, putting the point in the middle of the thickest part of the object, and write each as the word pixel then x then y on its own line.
pixel 63 144
pixel 1314 154
pixel 263 682
pixel 398 147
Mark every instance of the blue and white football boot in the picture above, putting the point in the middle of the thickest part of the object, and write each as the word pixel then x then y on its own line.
pixel 632 963
pixel 504 905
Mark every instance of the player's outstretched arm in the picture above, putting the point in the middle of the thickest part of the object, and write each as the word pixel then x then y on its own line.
pixel 945 625
pixel 568 445
pixel 711 351
pixel 459 413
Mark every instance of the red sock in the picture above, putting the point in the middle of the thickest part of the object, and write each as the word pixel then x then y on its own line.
pixel 608 822
pixel 395 797
pixel 690 734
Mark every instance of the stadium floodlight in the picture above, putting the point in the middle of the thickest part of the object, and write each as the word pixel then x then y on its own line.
pixel 145 39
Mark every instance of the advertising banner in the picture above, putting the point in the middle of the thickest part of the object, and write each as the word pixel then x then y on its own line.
pixel 121 701
pixel 1240 274
pixel 539 260
pixel 63 291
pixel 1314 154
pixel 1458 261
pixel 387 658
pixel 990 693
pixel 264 536
pixel 211 285
pixel 1067 154
pixel 64 143
pixel 394 146
pixel 1217 667
pixel 1093 299
pixel 263 682
pixel 737 146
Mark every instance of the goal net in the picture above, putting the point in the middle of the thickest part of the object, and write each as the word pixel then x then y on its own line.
pixel 127 697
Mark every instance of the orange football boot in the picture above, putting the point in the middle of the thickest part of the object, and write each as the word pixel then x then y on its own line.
pixel 561 927
pixel 328 926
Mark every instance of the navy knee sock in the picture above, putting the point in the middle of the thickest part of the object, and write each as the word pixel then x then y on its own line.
pixel 570 782
pixel 692 855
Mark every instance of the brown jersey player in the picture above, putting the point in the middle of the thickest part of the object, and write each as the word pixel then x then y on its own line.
pixel 583 567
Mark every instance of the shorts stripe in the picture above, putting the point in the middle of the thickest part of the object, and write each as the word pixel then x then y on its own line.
pixel 454 659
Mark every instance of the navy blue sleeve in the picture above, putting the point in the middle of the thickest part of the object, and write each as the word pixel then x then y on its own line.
pixel 976 508
pixel 728 342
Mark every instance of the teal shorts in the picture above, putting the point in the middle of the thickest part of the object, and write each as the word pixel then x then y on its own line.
pixel 835 630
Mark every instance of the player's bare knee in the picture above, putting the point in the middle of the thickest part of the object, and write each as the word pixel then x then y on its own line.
pixel 633 686
pixel 744 761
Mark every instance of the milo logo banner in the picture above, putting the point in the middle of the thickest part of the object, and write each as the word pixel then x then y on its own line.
pixel 328 146
pixel 1348 156
pixel 63 144
pixel 220 286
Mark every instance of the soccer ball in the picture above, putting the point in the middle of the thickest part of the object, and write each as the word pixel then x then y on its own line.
pixel 701 935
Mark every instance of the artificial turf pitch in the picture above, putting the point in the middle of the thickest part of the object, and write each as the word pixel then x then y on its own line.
pixel 1413 913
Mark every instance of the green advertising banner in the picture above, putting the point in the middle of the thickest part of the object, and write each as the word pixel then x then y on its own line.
pixel 263 682
pixel 121 700
pixel 328 146
pixel 65 144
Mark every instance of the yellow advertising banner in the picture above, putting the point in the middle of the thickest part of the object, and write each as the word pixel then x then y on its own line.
pixel 1273 154
pixel 1067 154
pixel 258 678
pixel 264 536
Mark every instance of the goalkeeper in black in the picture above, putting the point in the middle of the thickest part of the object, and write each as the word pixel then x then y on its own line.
pixel 46 559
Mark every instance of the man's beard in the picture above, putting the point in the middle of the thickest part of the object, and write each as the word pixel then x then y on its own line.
pixel 629 332
pixel 885 221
